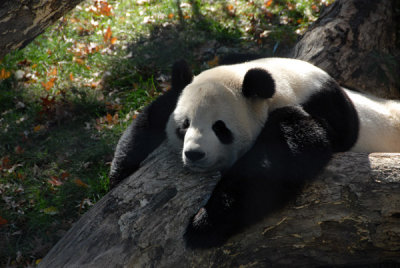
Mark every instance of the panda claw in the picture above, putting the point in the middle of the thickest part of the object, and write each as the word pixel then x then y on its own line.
pixel 201 233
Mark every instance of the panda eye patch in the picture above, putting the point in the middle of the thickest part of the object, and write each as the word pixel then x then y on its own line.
pixel 186 124
pixel 181 130
pixel 222 132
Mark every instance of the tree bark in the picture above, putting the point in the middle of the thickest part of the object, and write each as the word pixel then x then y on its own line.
pixel 356 43
pixel 350 215
pixel 22 21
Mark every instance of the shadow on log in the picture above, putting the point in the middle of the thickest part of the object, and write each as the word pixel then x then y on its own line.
pixel 350 215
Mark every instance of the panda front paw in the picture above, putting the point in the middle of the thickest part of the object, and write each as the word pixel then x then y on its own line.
pixel 204 231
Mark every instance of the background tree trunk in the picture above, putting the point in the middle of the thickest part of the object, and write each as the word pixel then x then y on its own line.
pixel 22 21
pixel 355 42
pixel 349 215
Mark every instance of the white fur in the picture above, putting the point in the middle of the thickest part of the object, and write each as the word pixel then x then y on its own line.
pixel 215 94
pixel 379 123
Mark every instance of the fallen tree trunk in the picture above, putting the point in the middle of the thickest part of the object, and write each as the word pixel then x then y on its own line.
pixel 350 215
pixel 22 21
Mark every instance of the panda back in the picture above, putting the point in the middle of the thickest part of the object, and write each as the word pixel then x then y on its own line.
pixel 295 80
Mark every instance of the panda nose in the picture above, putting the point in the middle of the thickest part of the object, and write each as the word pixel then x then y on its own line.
pixel 194 155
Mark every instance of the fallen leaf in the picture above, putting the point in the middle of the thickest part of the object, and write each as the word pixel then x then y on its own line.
pixel 109 118
pixel 5 163
pixel 213 62
pixel 49 84
pixel 107 35
pixel 3 221
pixel 18 150
pixel 54 181
pixel 64 175
pixel 53 72
pixel 80 183
pixel 50 211
pixel 4 74
pixel 79 61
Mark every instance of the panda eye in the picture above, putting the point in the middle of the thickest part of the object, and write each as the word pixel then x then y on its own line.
pixel 222 132
pixel 181 130
pixel 186 124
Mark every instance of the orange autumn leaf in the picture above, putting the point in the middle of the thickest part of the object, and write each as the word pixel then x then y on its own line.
pixel 49 84
pixel 105 9
pixel 54 181
pixel 213 62
pixel 19 150
pixel 3 221
pixel 71 77
pixel 64 175
pixel 38 128
pixel 109 118
pixel 80 183
pixel 268 3
pixel 5 163
pixel 229 7
pixel 4 74
pixel 53 72
pixel 113 40
pixel 79 61
pixel 170 15
pixel 108 34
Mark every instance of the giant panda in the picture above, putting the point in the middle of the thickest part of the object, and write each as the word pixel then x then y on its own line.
pixel 267 125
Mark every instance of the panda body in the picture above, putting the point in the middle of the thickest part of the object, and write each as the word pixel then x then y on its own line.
pixel 217 94
pixel 379 123
pixel 268 125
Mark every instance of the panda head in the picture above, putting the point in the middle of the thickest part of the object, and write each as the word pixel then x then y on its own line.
pixel 217 119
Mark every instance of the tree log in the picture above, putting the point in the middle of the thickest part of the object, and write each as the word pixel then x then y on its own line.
pixel 355 42
pixel 349 215
pixel 22 21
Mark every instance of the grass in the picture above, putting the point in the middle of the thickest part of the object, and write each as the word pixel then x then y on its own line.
pixel 66 98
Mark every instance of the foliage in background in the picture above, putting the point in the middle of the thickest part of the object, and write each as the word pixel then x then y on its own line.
pixel 66 98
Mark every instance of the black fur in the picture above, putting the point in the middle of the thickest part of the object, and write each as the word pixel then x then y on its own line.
pixel 222 132
pixel 147 131
pixel 258 83
pixel 332 108
pixel 292 148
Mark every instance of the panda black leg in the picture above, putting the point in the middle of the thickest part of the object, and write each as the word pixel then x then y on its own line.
pixel 147 131
pixel 291 149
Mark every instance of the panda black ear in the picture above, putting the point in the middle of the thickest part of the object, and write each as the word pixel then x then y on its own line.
pixel 258 83
pixel 181 75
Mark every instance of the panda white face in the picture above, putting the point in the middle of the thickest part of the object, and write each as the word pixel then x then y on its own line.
pixel 214 125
